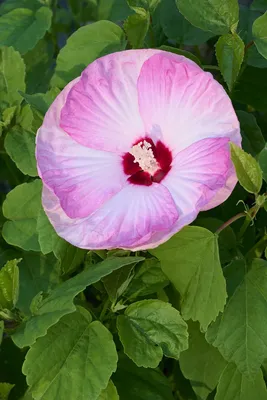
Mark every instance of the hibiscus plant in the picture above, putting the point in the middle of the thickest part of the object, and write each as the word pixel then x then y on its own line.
pixel 133 173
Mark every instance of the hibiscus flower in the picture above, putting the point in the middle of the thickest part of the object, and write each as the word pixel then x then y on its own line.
pixel 133 149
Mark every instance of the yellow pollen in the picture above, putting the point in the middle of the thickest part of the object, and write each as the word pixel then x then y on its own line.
pixel 143 155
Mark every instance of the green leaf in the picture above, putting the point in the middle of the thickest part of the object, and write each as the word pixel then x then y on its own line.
pixel 201 284
pixel 88 43
pixel 148 279
pixel 114 10
pixel 41 101
pixel 20 146
pixel 22 28
pixel 150 328
pixel 25 117
pixel 255 59
pixel 234 385
pixel 110 393
pixel 60 301
pixel 177 28
pixel 38 274
pixel 47 236
pixel 239 333
pixel 259 5
pixel 263 162
pixel 247 169
pixel 253 141
pixel 5 389
pixel 12 75
pixel 70 257
pixel 135 383
pixel 136 27
pixel 10 5
pixel 259 31
pixel 117 282
pixel 227 239
pixel 211 15
pixel 201 363
pixel 9 284
pixel 39 66
pixel 184 53
pixel 22 207
pixel 149 5
pixel 251 88
pixel 74 344
pixel 230 54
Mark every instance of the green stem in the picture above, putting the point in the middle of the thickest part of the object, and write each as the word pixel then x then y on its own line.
pixel 250 215
pixel 244 227
pixel 260 245
pixel 211 67
pixel 230 221
pixel 248 45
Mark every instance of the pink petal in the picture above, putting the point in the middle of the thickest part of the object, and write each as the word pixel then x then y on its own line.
pixel 130 217
pixel 102 110
pixel 198 173
pixel 181 104
pixel 82 178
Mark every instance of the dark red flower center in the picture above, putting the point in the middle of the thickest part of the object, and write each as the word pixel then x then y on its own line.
pixel 147 162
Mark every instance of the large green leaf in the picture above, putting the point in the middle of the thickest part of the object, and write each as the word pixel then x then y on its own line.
pixel 247 169
pixel 88 43
pixel 239 333
pixel 201 363
pixel 135 383
pixel 148 279
pixel 73 361
pixel 227 239
pixel 150 328
pixel 253 141
pixel 211 15
pixel 259 31
pixel 176 27
pixel 10 5
pixel 20 146
pixel 60 301
pixel 190 260
pixel 22 207
pixel 263 162
pixel 230 54
pixel 22 28
pixel 136 27
pixel 233 385
pixel 110 393
pixel 9 284
pixel 38 273
pixel 12 76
